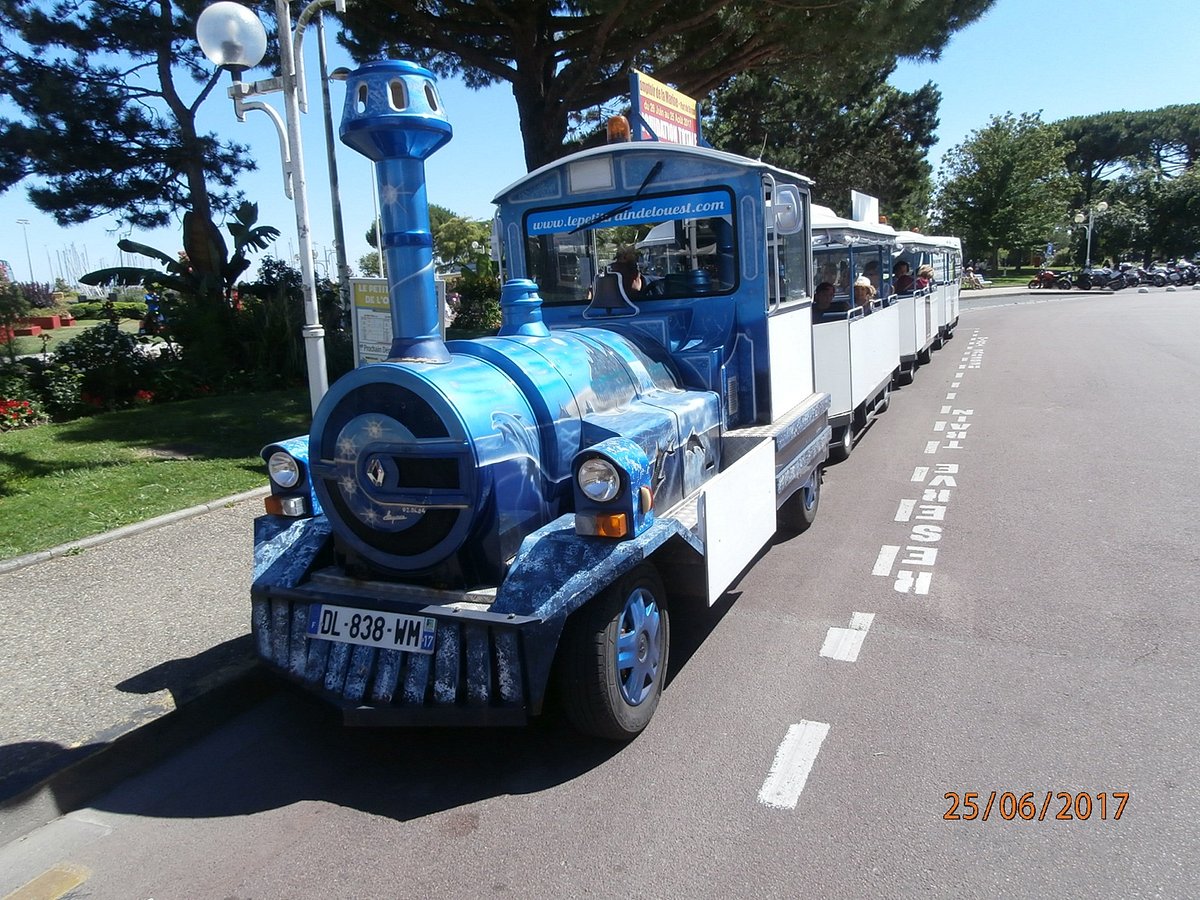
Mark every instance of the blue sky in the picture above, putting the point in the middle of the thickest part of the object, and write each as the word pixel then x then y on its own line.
pixel 1062 57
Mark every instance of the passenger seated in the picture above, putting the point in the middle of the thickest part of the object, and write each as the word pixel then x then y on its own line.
pixel 823 300
pixel 902 280
pixel 924 277
pixel 626 266
pixel 864 293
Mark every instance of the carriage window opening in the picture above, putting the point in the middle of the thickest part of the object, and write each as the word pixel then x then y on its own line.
pixel 833 266
pixel 362 98
pixel 431 95
pixel 397 95
pixel 682 245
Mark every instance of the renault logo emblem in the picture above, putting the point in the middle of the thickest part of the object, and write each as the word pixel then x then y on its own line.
pixel 376 472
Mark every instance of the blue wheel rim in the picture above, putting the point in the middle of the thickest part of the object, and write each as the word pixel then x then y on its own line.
pixel 639 648
pixel 812 490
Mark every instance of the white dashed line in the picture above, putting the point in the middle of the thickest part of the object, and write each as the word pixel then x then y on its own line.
pixel 883 562
pixel 793 761
pixel 844 644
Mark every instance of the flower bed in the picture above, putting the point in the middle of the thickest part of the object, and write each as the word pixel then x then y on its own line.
pixel 19 414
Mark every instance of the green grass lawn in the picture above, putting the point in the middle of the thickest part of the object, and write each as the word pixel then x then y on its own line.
pixel 62 482
pixel 25 345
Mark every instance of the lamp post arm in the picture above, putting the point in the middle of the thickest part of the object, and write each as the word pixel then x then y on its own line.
pixel 302 21
pixel 239 90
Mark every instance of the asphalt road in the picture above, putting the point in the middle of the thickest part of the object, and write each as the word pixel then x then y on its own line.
pixel 1047 455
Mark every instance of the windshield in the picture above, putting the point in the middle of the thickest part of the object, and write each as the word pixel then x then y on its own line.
pixel 665 246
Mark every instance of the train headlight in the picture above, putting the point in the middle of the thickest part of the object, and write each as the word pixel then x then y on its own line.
pixel 283 469
pixel 599 480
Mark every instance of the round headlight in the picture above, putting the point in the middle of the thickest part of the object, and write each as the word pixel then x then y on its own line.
pixel 599 480
pixel 283 469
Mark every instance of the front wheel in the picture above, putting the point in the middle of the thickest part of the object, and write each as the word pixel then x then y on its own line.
pixel 1085 283
pixel 1160 281
pixel 1063 284
pixel 613 657
pixel 1035 283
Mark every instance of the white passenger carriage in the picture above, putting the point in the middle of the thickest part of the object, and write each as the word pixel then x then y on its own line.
pixel 856 344
pixel 929 311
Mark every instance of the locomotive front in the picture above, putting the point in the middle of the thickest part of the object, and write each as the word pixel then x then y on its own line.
pixel 385 576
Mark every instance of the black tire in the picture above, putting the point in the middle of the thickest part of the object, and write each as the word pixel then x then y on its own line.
pixel 923 356
pixel 906 376
pixel 1085 283
pixel 881 405
pixel 1159 280
pixel 799 511
pixel 1063 284
pixel 843 443
pixel 1035 283
pixel 627 622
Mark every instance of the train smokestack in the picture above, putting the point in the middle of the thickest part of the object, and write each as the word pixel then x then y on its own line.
pixel 394 117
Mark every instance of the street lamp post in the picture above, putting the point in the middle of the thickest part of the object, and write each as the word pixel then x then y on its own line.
pixel 24 223
pixel 233 38
pixel 1090 219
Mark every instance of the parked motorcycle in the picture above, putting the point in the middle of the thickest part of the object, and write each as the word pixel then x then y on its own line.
pixel 1101 277
pixel 1050 280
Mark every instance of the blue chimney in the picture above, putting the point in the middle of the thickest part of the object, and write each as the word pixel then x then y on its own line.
pixel 394 117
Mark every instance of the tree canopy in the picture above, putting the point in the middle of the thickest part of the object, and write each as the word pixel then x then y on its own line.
pixel 871 138
pixel 1143 164
pixel 107 94
pixel 1005 186
pixel 563 57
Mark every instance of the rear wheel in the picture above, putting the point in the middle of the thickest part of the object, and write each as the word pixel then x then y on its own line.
pixel 1063 284
pixel 843 443
pixel 799 511
pixel 1085 283
pixel 613 657
pixel 884 401
pixel 1160 280
pixel 1034 283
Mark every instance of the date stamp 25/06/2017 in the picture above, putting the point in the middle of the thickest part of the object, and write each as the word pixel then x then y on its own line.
pixel 1029 806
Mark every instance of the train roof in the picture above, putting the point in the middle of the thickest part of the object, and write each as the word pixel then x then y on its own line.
pixel 701 153
pixel 917 239
pixel 825 219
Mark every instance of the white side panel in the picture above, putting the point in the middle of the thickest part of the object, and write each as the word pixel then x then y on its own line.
pixel 874 351
pixel 908 325
pixel 831 354
pixel 927 319
pixel 737 516
pixel 790 336
pixel 943 305
pixel 954 289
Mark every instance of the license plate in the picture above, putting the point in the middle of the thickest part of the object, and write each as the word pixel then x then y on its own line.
pixel 371 628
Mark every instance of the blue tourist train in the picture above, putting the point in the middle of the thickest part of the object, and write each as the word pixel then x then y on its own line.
pixel 469 524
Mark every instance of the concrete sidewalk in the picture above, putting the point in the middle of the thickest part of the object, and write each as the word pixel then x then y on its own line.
pixel 100 642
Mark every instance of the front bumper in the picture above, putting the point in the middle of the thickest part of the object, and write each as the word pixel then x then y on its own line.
pixel 486 668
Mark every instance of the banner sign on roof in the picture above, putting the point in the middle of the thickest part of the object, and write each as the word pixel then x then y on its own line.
pixel 705 204
pixel 661 113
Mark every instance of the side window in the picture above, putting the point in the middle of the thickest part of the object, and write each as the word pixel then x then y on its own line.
pixel 833 266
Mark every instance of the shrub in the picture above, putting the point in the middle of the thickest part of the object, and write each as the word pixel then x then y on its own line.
pixel 108 359
pixel 13 308
pixel 123 308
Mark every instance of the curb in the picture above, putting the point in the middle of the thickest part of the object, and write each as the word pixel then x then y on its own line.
pixel 234 690
pixel 29 559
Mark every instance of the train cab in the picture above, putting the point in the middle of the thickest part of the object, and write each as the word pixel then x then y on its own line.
pixel 856 327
